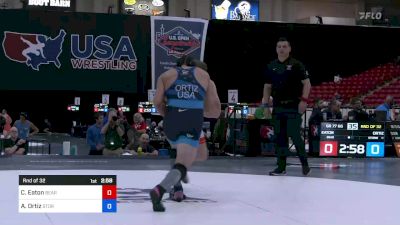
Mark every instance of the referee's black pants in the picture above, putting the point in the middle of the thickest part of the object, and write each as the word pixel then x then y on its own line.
pixel 287 123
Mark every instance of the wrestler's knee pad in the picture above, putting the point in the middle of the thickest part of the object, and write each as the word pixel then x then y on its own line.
pixel 181 169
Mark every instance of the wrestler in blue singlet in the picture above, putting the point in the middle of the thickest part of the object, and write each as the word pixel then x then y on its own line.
pixel 184 115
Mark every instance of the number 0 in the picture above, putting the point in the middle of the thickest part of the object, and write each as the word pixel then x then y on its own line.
pixel 375 149
pixel 328 148
pixel 109 206
pixel 109 192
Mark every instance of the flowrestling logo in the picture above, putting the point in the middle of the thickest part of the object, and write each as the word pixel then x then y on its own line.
pixel 33 50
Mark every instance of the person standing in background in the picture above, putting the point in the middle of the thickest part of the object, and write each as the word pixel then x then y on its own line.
pixel 113 133
pixel 94 138
pixel 287 80
pixel 25 126
pixel 8 121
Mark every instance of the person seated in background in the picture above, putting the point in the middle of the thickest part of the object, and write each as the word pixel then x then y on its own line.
pixel 113 133
pixel 25 126
pixel 316 114
pixel 47 126
pixel 94 138
pixel 8 121
pixel 143 147
pixel 15 145
pixel 333 111
pixel 357 113
pixel 2 124
pixel 139 125
pixel 387 106
pixel 337 97
pixel 127 127
pixel 314 122
pixel 396 116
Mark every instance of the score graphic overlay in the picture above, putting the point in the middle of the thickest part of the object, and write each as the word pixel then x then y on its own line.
pixel 67 194
pixel 362 139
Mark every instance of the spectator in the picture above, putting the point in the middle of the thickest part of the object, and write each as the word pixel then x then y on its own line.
pixel 357 113
pixel 314 126
pixel 47 126
pixel 138 123
pixel 333 111
pixel 2 124
pixel 396 116
pixel 387 106
pixel 337 79
pixel 316 114
pixel 124 123
pixel 144 144
pixel 25 126
pixel 94 138
pixel 8 121
pixel 138 126
pixel 337 97
pixel 113 133
pixel 15 145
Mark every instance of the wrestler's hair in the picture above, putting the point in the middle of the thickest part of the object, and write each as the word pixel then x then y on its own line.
pixel 190 61
pixel 185 60
pixel 200 64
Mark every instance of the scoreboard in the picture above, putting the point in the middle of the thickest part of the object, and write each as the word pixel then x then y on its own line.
pixel 147 107
pixel 241 110
pixel 350 139
pixel 67 194
pixel 73 108
pixel 100 107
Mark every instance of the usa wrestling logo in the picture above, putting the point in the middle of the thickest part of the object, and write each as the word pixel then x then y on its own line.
pixel 33 49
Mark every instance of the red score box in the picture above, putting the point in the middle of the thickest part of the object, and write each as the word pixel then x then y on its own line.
pixel 109 191
pixel 328 148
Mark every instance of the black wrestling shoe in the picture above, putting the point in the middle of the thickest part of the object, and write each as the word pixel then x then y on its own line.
pixel 177 194
pixel 156 197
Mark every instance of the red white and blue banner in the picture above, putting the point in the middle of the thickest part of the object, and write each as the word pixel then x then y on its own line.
pixel 172 37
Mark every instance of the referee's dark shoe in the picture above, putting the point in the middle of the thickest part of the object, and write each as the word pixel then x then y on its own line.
pixel 277 172
pixel 306 170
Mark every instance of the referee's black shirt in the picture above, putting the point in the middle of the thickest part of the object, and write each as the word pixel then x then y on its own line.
pixel 286 80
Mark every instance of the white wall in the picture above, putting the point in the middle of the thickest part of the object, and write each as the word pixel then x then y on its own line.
pixel 97 6
pixel 199 8
pixel 305 9
pixel 279 10
pixel 176 8
pixel 11 4
pixel 270 10
pixel 334 20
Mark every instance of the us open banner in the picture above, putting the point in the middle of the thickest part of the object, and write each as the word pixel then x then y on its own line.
pixel 172 37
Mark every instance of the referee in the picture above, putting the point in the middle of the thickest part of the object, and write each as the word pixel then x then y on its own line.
pixel 288 82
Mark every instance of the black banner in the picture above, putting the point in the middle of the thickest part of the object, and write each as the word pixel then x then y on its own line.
pixel 79 51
